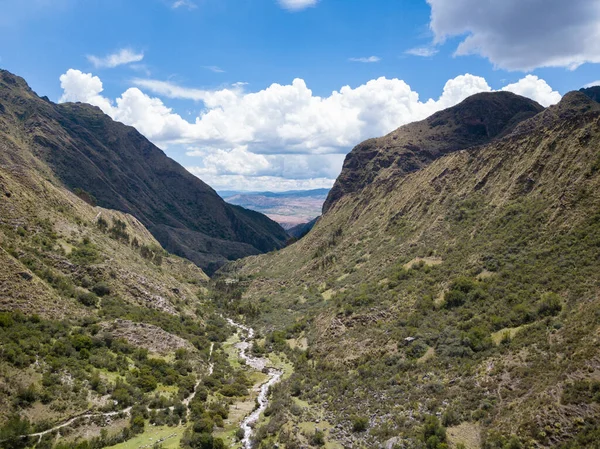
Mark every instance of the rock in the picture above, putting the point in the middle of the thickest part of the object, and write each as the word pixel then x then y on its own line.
pixel 25 275
pixel 389 444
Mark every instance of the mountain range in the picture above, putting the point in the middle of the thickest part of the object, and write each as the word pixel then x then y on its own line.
pixel 448 295
pixel 289 209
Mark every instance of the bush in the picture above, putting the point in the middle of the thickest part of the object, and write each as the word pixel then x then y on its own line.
pixel 88 299
pixel 434 434
pixel 101 289
pixel 359 423
pixel 318 438
pixel 550 305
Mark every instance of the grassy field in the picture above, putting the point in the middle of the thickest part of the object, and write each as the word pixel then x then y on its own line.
pixel 171 437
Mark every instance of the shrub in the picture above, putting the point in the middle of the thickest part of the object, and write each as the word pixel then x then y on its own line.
pixel 434 434
pixel 101 289
pixel 549 305
pixel 86 196
pixel 359 423
pixel 318 438
pixel 88 299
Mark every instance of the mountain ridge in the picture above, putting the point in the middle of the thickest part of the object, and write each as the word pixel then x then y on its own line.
pixel 461 298
pixel 124 171
pixel 475 121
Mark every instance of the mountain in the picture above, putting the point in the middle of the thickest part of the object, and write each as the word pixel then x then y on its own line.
pixel 592 92
pixel 476 121
pixel 449 296
pixel 122 170
pixel 301 230
pixel 290 209
pixel 97 321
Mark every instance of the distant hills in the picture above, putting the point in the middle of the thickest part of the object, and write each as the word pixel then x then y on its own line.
pixel 291 208
pixel 122 170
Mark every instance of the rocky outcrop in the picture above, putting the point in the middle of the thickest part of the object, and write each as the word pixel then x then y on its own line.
pixel 476 121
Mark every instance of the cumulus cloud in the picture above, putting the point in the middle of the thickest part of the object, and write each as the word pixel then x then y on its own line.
pixel 521 34
pixel 84 87
pixel 592 84
pixel 284 131
pixel 424 52
pixel 122 57
pixel 297 5
pixel 367 60
pixel 536 89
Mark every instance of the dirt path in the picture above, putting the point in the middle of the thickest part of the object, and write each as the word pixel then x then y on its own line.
pixel 126 411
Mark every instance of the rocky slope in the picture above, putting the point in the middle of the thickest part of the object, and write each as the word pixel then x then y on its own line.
pixel 105 337
pixel 87 150
pixel 476 121
pixel 450 293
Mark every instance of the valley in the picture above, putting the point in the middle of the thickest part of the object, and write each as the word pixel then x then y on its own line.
pixel 448 297
pixel 289 209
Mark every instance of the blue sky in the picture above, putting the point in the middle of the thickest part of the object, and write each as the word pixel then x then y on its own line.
pixel 240 91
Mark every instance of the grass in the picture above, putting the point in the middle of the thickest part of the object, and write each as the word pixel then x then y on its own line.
pixel 300 343
pixel 328 294
pixel 425 261
pixel 509 332
pixel 429 354
pixel 466 433
pixel 153 435
pixel 280 361
pixel 232 352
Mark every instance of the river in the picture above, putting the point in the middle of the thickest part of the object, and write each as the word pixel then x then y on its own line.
pixel 259 364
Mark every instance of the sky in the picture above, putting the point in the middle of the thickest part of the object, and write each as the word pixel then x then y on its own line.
pixel 272 94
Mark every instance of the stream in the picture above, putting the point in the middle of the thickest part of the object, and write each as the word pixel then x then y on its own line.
pixel 259 364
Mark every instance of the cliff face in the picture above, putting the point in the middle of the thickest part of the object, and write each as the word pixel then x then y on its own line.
pixel 476 121
pixel 124 171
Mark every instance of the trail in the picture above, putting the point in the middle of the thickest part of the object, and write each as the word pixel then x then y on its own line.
pixel 126 411
pixel 258 363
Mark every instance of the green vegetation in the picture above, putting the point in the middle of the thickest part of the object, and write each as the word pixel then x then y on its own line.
pixel 507 315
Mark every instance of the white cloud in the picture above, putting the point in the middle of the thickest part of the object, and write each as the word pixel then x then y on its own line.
pixel 214 68
pixel 284 131
pixel 84 87
pixel 122 57
pixel 424 52
pixel 536 89
pixel 184 4
pixel 260 183
pixel 368 60
pixel 521 34
pixel 592 84
pixel 297 5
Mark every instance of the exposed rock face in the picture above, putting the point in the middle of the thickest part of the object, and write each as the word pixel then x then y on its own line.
pixel 477 120
pixel 592 92
pixel 146 336
pixel 87 150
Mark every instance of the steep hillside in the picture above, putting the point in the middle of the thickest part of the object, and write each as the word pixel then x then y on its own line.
pixel 124 171
pixel 444 299
pixel 106 339
pixel 302 229
pixel 476 121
